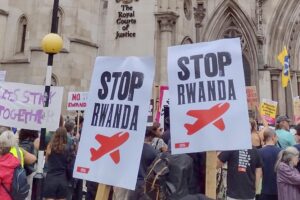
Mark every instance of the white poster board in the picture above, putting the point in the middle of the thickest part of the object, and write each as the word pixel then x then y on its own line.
pixel 21 106
pixel 208 103
pixel 77 100
pixel 115 121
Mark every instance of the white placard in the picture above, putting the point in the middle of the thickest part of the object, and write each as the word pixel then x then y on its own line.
pixel 208 103
pixel 115 121
pixel 21 106
pixel 77 100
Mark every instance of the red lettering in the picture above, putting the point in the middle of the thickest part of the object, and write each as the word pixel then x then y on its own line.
pixel 75 97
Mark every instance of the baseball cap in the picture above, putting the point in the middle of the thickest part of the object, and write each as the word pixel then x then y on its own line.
pixel 282 118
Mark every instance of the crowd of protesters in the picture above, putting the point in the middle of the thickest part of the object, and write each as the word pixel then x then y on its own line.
pixel 268 171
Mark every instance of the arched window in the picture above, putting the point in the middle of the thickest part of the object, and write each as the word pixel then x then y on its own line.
pixel 233 32
pixel 187 40
pixel 21 37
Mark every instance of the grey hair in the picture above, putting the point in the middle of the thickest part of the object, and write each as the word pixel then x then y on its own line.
pixel 286 156
pixel 4 128
pixel 7 139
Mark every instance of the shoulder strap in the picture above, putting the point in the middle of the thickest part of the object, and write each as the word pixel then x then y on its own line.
pixel 19 154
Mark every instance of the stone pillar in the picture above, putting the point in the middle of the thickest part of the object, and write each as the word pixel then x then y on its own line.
pixel 265 91
pixel 199 14
pixel 166 22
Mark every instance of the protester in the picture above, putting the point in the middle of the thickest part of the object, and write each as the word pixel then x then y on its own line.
pixel 26 157
pixel 269 155
pixel 27 140
pixel 8 163
pixel 288 177
pixel 69 125
pixel 285 138
pixel 244 170
pixel 256 137
pixel 158 143
pixel 148 156
pixel 57 156
pixel 166 135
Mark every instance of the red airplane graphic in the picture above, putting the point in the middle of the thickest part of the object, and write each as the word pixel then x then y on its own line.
pixel 206 117
pixel 109 145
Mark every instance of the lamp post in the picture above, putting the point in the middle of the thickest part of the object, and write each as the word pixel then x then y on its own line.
pixel 51 44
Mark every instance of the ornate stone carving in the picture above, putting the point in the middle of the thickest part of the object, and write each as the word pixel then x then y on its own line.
pixel 199 14
pixel 259 18
pixel 166 21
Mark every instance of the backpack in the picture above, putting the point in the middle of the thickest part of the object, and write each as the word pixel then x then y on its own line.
pixel 169 177
pixel 19 186
pixel 156 185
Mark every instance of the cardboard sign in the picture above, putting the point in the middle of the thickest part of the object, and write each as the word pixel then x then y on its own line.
pixel 268 110
pixel 115 121
pixel 252 99
pixel 77 100
pixel 208 94
pixel 296 103
pixel 21 106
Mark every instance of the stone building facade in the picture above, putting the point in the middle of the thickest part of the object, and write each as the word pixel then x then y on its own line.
pixel 92 28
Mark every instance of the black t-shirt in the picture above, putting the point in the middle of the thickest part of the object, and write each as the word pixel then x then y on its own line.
pixel 148 156
pixel 242 165
pixel 269 155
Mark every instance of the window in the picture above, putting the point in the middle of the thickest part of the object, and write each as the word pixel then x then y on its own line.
pixel 22 29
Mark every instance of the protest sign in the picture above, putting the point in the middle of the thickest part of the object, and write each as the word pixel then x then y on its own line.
pixel 21 106
pixel 296 104
pixel 252 99
pixel 2 75
pixel 164 101
pixel 268 110
pixel 77 100
pixel 208 94
pixel 115 121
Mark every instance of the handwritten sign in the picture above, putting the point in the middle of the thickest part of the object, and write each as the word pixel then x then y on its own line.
pixel 207 93
pixel 77 100
pixel 252 98
pixel 21 106
pixel 268 110
pixel 115 121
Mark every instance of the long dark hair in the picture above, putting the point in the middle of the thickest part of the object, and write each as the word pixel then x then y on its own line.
pixel 59 141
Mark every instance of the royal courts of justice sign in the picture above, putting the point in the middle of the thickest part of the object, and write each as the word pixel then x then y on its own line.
pixel 208 103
